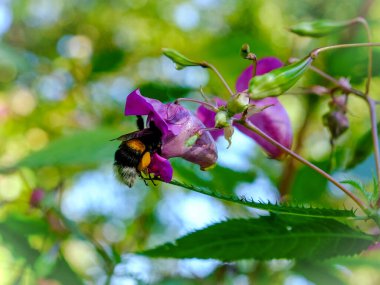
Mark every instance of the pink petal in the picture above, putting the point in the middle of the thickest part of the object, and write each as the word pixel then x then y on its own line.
pixel 161 167
pixel 208 117
pixel 273 121
pixel 264 65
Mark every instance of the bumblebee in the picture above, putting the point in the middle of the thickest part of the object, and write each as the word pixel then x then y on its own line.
pixel 133 156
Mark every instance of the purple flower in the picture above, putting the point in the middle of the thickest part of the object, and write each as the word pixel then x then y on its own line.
pixel 177 126
pixel 273 121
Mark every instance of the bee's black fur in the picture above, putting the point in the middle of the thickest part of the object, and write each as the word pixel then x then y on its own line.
pixel 127 159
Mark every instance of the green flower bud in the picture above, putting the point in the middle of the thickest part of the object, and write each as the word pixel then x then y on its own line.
pixel 244 51
pixel 279 80
pixel 238 103
pixel 318 28
pixel 192 140
pixel 222 119
pixel 180 60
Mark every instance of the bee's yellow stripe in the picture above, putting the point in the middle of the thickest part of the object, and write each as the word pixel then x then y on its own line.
pixel 136 145
pixel 144 162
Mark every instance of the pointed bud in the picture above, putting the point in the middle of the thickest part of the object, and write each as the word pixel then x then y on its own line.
pixel 318 28
pixel 238 103
pixel 279 80
pixel 180 60
pixel 228 132
pixel 244 51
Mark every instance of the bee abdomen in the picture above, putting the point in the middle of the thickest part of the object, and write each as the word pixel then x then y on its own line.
pixel 127 157
pixel 127 175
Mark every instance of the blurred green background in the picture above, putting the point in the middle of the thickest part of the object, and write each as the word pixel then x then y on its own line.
pixel 66 68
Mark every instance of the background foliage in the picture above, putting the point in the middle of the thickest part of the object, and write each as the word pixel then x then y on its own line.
pixel 65 70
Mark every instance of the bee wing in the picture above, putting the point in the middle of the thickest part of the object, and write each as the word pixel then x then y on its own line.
pixel 133 135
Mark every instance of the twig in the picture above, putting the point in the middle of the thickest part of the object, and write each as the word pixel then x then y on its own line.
pixel 253 128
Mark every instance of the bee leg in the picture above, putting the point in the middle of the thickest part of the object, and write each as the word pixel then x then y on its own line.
pixel 140 122
pixel 151 179
pixel 144 179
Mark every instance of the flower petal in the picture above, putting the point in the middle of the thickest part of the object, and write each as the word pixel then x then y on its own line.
pixel 161 167
pixel 202 152
pixel 177 126
pixel 273 121
pixel 264 65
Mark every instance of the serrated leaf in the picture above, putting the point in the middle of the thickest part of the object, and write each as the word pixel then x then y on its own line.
pixel 358 186
pixel 362 261
pixel 273 208
pixel 318 28
pixel 78 149
pixel 269 237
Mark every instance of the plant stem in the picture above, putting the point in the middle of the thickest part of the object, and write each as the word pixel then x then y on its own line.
pixel 253 128
pixel 336 82
pixel 363 21
pixel 213 68
pixel 213 108
pixel 372 112
pixel 316 51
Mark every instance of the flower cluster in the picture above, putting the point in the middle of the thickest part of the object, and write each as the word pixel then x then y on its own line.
pixel 185 135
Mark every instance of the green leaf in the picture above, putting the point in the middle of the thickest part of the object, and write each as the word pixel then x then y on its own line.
pixel 78 149
pixel 179 59
pixel 269 237
pixel 304 191
pixel 318 273
pixel 318 28
pixel 358 261
pixel 46 262
pixel 222 178
pixel 164 92
pixel 273 208
pixel 14 232
pixel 363 149
pixel 279 80
pixel 358 186
pixel 63 273
pixel 107 60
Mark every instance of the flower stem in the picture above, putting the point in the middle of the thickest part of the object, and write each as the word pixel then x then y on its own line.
pixel 213 108
pixel 316 51
pixel 213 68
pixel 363 21
pixel 336 82
pixel 372 112
pixel 253 128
